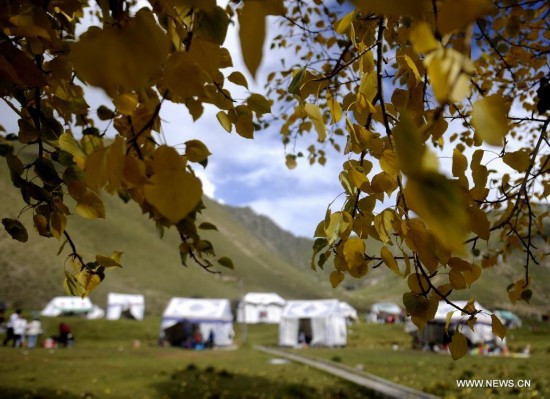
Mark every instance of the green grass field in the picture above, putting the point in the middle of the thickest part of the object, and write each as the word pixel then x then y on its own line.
pixel 108 362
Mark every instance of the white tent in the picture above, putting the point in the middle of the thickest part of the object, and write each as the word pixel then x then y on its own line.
pixel 380 312
pixel 348 311
pixel 315 322
pixel 208 314
pixel 434 332
pixel 125 306
pixel 72 305
pixel 256 307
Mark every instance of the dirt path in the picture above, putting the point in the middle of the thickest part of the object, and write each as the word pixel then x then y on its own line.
pixel 384 388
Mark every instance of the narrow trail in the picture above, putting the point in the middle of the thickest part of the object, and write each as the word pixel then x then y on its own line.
pixel 382 387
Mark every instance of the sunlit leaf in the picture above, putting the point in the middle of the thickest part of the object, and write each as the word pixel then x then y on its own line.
pixel 315 114
pixel 389 260
pixel 174 193
pixel 490 119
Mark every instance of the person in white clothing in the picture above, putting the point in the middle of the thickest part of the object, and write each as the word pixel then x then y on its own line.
pixel 19 328
pixel 10 336
pixel 34 329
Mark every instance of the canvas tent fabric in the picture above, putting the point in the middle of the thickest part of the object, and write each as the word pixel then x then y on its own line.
pixel 434 332
pixel 209 314
pixel 348 311
pixel 128 306
pixel 257 307
pixel 380 311
pixel 318 322
pixel 72 305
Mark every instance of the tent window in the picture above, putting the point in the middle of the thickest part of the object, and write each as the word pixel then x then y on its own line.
pixel 305 333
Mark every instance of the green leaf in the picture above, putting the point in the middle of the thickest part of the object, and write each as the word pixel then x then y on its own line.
pixel 15 229
pixel 226 262
pixel 296 83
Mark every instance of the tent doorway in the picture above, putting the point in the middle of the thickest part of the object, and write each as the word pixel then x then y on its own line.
pixel 305 331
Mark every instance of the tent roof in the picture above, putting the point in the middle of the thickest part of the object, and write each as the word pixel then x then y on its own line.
pixel 444 308
pixel 386 307
pixel 311 309
pixel 263 298
pixel 74 303
pixel 198 309
pixel 124 299
pixel 347 310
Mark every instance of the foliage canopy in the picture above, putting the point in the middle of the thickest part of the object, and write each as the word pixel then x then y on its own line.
pixel 440 107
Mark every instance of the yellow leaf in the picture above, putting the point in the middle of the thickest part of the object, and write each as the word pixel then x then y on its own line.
pixel 238 78
pixel 252 18
pixel 108 261
pixel 224 121
pixel 67 143
pixel 440 203
pixel 58 221
pixel 449 71
pixel 88 281
pixel 498 328
pixel 196 151
pixel 334 107
pixel 413 68
pixel 460 163
pixel 388 163
pixel 134 171
pixel 457 281
pixel 336 277
pixel 174 193
pixel 114 162
pixel 472 275
pixel 422 38
pixel 479 223
pixel 126 103
pixel 181 64
pixel 458 345
pixel 518 160
pixel 354 252
pixel 459 14
pixel 343 25
pixel 166 158
pixel 389 260
pixel 395 8
pixel 490 119
pixel 259 104
pixel 408 145
pixel 315 114
pixel 90 206
pixel 418 283
pixel 130 53
pixel 448 318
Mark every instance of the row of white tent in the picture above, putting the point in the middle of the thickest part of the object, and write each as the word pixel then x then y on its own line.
pixel 316 322
pixel 118 305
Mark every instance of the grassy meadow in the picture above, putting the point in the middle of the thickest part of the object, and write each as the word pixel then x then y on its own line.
pixel 121 359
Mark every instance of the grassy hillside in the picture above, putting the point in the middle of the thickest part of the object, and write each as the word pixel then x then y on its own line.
pixel 32 273
pixel 266 258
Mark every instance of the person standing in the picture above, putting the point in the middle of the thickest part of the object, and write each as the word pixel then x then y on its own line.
pixel 34 329
pixel 10 336
pixel 19 329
